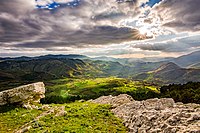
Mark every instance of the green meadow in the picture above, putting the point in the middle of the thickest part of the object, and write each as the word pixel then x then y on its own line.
pixel 80 117
pixel 67 90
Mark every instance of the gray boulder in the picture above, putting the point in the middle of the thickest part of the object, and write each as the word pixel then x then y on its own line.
pixel 114 100
pixel 23 95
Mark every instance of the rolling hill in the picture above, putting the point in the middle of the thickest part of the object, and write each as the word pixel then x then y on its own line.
pixel 170 73
pixel 58 66
pixel 23 69
pixel 53 67
pixel 15 72
pixel 188 60
pixel 23 58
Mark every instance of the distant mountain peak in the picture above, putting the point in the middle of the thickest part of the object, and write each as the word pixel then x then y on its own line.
pixel 188 60
pixel 168 66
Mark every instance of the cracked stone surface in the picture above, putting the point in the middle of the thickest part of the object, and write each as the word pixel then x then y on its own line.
pixel 154 115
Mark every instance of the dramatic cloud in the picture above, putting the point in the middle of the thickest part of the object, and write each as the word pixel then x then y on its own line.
pixel 184 44
pixel 182 15
pixel 31 27
pixel 92 22
pixel 96 36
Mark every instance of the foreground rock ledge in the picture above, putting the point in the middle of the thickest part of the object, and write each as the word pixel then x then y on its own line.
pixel 154 115
pixel 23 95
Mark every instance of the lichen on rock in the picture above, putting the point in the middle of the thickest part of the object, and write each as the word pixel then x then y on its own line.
pixel 114 101
pixel 23 95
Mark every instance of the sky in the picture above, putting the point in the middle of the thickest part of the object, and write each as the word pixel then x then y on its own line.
pixel 113 28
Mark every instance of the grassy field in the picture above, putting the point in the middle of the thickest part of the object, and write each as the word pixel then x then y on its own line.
pixel 13 117
pixel 86 117
pixel 64 90
pixel 80 117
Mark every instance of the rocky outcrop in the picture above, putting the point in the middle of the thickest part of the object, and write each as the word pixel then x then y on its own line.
pixel 114 101
pixel 23 95
pixel 154 115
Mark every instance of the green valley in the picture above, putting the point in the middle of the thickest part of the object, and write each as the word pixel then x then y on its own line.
pixel 71 89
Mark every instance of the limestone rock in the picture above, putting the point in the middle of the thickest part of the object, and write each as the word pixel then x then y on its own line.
pixel 114 101
pixel 154 115
pixel 23 95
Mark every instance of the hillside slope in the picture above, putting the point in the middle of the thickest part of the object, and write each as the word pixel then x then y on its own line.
pixel 170 73
pixel 14 73
pixel 22 70
pixel 23 58
pixel 188 60
pixel 52 67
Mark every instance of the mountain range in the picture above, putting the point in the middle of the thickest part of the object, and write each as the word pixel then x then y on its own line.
pixel 170 73
pixel 189 60
pixel 23 58
pixel 161 71
pixel 183 61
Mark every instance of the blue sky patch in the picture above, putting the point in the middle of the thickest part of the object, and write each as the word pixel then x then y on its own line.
pixel 55 5
pixel 151 3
